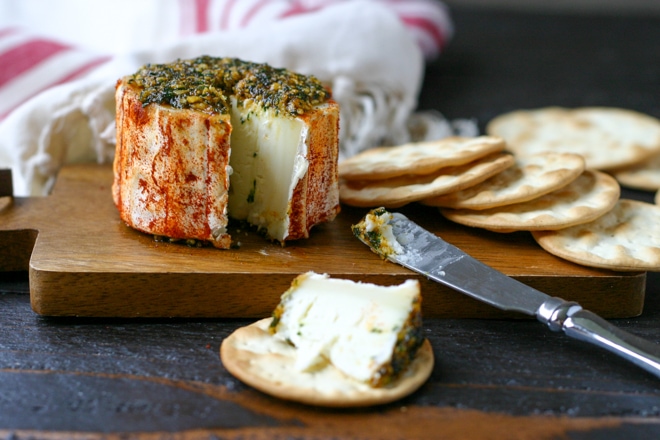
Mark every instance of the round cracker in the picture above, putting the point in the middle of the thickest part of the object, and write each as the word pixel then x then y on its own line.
pixel 399 191
pixel 645 176
pixel 583 200
pixel 529 178
pixel 266 363
pixel 627 238
pixel 608 138
pixel 417 158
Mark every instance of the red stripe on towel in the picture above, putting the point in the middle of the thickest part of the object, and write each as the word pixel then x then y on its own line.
pixel 427 26
pixel 74 74
pixel 226 13
pixel 298 7
pixel 254 10
pixel 201 15
pixel 7 31
pixel 25 56
pixel 83 69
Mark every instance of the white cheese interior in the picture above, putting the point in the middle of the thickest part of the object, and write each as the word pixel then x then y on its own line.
pixel 268 158
pixel 352 325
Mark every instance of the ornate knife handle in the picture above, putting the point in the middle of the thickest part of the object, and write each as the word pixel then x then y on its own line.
pixel 584 325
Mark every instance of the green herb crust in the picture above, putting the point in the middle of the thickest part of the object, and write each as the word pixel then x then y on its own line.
pixel 409 339
pixel 375 240
pixel 205 83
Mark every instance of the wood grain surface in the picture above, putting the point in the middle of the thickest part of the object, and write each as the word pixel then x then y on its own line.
pixel 84 261
pixel 90 378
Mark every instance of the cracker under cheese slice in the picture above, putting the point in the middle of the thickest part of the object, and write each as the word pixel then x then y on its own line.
pixel 335 342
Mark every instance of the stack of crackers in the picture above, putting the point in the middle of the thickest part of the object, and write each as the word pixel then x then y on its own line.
pixel 621 142
pixel 554 172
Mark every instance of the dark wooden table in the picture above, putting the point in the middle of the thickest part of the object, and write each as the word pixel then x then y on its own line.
pixel 91 378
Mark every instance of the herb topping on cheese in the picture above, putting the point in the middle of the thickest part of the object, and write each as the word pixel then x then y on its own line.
pixel 205 83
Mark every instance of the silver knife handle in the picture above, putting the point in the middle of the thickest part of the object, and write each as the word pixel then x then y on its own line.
pixel 586 326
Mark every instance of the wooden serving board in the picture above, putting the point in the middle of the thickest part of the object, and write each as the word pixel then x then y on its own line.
pixel 84 261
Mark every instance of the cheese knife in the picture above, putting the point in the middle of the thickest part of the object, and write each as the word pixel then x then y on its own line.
pixel 395 237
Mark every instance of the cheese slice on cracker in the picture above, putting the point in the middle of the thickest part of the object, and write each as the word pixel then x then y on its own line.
pixel 336 343
pixel 258 359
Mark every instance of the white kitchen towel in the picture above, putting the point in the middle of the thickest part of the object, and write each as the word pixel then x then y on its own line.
pixel 56 95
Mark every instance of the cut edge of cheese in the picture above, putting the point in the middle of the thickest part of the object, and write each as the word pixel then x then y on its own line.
pixel 274 161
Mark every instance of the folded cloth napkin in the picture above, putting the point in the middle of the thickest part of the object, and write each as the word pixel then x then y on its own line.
pixel 371 53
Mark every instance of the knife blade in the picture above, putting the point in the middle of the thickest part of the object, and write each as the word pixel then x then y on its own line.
pixel 400 240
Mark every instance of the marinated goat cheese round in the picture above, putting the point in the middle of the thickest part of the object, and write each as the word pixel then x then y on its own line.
pixel 206 139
